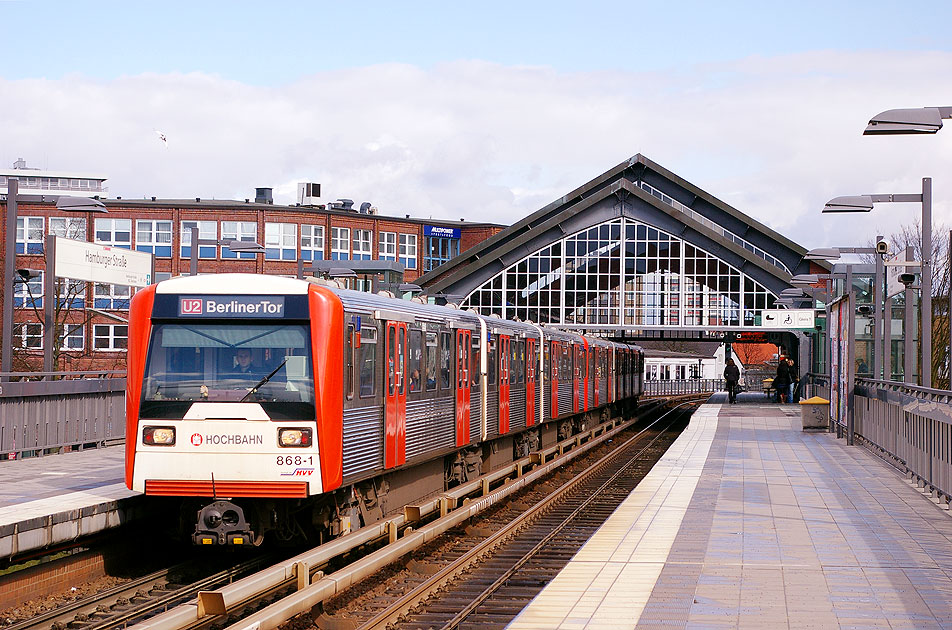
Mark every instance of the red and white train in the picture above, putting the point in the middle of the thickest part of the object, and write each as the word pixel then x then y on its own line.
pixel 286 408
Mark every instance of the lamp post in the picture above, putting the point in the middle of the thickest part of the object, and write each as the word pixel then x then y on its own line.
pixel 864 203
pixel 63 202
pixel 249 247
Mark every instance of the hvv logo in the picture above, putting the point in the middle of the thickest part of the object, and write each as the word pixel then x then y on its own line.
pixel 190 306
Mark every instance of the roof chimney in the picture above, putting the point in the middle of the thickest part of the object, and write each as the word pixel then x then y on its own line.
pixel 263 195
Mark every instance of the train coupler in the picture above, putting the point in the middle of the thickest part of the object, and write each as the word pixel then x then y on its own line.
pixel 222 523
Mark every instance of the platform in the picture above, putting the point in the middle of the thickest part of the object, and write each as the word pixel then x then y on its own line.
pixel 748 522
pixel 53 499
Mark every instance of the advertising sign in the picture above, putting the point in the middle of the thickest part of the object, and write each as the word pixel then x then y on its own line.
pixel 788 318
pixel 96 263
pixel 841 342
pixel 438 231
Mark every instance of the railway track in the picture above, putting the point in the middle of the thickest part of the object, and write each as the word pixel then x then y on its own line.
pixel 485 584
pixel 139 599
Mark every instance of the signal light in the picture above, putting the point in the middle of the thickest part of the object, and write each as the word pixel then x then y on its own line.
pixel 296 437
pixel 158 436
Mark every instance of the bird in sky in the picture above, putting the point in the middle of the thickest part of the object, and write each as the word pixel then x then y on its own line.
pixel 162 138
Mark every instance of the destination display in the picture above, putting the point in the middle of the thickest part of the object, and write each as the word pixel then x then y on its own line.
pixel 232 306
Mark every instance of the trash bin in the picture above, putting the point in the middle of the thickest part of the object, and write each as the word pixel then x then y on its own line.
pixel 768 387
pixel 815 413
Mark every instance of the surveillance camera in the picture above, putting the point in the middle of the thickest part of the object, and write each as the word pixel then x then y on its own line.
pixel 864 309
pixel 907 278
pixel 882 247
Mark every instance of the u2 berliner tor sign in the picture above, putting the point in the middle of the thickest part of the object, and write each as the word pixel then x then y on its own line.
pixel 97 263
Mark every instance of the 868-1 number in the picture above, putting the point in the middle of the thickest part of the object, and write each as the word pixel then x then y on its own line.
pixel 295 460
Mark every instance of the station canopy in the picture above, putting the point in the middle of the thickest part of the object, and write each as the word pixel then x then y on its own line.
pixel 636 249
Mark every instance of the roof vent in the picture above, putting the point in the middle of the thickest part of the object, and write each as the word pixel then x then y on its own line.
pixel 346 204
pixel 263 195
pixel 365 208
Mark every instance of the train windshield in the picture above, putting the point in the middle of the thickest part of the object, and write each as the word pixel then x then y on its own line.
pixel 269 364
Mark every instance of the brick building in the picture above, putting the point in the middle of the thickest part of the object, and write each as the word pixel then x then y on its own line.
pixel 92 331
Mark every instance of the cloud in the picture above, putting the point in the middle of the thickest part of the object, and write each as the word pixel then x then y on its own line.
pixel 775 137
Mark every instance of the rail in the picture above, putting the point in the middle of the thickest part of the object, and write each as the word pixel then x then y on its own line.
pixel 683 386
pixel 54 411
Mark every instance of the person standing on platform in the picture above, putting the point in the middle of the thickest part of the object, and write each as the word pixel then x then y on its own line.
pixel 781 381
pixel 792 371
pixel 731 378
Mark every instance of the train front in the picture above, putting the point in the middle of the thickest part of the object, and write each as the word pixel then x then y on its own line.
pixel 225 400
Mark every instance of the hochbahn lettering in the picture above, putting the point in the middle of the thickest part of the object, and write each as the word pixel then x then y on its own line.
pixel 224 438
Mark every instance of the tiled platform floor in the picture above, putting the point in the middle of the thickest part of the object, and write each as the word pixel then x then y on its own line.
pixel 45 500
pixel 748 522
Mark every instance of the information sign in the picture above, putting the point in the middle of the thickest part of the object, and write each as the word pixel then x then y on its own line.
pixel 788 318
pixel 80 260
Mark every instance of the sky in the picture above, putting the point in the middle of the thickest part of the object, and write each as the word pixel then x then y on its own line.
pixel 485 111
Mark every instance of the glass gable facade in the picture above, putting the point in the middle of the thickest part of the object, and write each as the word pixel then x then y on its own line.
pixel 623 273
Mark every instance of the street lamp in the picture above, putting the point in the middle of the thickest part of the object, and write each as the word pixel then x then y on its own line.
pixel 248 247
pixel 63 202
pixel 907 121
pixel 864 203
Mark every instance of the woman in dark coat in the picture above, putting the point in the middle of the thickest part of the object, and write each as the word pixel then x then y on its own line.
pixel 781 382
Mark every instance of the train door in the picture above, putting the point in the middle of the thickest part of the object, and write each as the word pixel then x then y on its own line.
pixel 530 381
pixel 505 358
pixel 463 386
pixel 395 403
pixel 555 357
pixel 577 379
pixel 596 374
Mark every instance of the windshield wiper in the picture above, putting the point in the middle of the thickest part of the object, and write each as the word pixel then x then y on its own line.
pixel 264 380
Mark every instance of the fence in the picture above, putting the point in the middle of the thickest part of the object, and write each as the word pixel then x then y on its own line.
pixel 911 425
pixel 79 410
pixel 687 386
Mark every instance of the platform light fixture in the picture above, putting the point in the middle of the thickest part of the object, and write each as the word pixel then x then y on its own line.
pixel 915 121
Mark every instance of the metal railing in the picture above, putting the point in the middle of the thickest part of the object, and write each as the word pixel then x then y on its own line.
pixel 79 410
pixel 911 425
pixel 686 386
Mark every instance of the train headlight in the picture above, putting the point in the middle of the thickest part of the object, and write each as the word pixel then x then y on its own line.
pixel 158 436
pixel 300 437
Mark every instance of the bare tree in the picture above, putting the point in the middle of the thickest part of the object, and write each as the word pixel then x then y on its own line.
pixel 911 235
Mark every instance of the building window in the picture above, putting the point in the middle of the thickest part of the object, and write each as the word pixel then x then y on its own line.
pixel 388 246
pixel 238 231
pixel 362 244
pixel 28 336
pixel 111 296
pixel 206 230
pixel 29 235
pixel 408 250
pixel 280 241
pixel 340 243
pixel 114 232
pixel 312 242
pixel 71 293
pixel 73 338
pixel 154 237
pixel 28 294
pixel 439 250
pixel 110 337
pixel 73 228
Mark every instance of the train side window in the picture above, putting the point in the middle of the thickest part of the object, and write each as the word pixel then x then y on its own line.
pixel 416 359
pixel 431 361
pixel 446 356
pixel 391 355
pixel 474 355
pixel 368 360
pixel 349 358
pixel 491 361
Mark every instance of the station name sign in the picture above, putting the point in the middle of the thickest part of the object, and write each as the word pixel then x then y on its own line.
pixel 256 306
pixel 97 263
pixel 441 232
